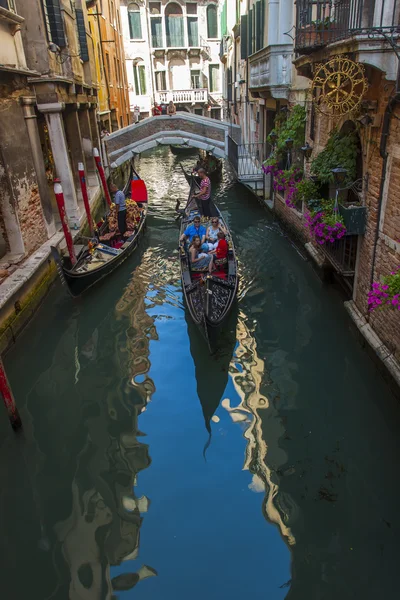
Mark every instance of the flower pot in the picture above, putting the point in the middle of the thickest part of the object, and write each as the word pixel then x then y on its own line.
pixel 354 218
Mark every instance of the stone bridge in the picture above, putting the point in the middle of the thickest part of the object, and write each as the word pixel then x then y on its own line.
pixel 182 128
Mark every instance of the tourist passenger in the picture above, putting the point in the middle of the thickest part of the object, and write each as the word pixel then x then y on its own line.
pixel 220 254
pixel 204 193
pixel 171 110
pixel 212 233
pixel 195 229
pixel 156 110
pixel 199 260
pixel 120 203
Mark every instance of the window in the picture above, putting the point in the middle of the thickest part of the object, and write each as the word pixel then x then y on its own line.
pixel 80 23
pixel 161 81
pixel 193 31
pixel 8 4
pixel 216 113
pixel 54 22
pixel 214 78
pixel 155 8
pixel 195 79
pixel 198 111
pixel 212 22
pixel 112 12
pixel 174 26
pixel 135 25
pixel 108 66
pixel 139 76
pixel 156 32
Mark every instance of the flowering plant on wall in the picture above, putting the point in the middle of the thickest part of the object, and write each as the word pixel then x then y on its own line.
pixel 288 181
pixel 324 222
pixel 386 293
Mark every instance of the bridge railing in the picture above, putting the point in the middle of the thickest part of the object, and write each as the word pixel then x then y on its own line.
pixel 183 96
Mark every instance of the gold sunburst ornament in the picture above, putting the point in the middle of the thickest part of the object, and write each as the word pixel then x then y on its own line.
pixel 342 84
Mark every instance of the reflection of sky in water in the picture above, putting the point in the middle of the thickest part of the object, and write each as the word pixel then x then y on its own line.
pixel 205 533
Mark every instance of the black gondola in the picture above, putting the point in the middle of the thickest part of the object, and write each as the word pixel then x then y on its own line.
pixel 179 149
pixel 93 264
pixel 209 297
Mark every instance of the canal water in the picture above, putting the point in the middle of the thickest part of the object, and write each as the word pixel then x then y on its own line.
pixel 149 470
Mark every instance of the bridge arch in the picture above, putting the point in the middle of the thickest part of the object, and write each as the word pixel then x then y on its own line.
pixel 183 128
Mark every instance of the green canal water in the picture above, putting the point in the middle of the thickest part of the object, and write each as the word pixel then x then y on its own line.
pixel 149 470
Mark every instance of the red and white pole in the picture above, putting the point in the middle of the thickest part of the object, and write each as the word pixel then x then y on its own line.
pixel 64 221
pixel 8 399
pixel 102 175
pixel 82 179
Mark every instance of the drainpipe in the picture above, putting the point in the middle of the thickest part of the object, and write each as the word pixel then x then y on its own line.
pixel 382 150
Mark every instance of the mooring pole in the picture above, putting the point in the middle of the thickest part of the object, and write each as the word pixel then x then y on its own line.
pixel 102 175
pixel 63 216
pixel 8 399
pixel 82 179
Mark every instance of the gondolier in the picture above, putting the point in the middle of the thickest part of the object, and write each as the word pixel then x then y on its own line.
pixel 203 195
pixel 120 203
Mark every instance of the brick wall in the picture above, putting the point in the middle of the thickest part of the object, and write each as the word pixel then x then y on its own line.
pixel 292 219
pixel 31 220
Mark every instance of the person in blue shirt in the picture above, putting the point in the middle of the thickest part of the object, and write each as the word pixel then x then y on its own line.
pixel 196 228
pixel 120 202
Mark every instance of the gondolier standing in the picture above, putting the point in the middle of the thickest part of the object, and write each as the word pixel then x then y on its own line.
pixel 204 194
pixel 120 202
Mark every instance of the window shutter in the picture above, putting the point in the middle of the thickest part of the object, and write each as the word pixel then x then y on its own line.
pixel 230 84
pixel 250 33
pixel 56 22
pixel 80 22
pixel 258 25
pixel 142 79
pixel 243 37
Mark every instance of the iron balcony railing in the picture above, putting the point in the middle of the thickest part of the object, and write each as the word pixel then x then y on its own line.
pixel 342 254
pixel 321 22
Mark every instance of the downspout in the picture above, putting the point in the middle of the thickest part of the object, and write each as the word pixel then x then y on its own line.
pixel 382 150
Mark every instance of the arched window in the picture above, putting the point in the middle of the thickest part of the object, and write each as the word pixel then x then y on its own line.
pixel 135 26
pixel 212 21
pixel 139 76
pixel 174 25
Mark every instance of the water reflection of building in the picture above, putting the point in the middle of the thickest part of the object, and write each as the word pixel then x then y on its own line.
pixel 263 429
pixel 103 527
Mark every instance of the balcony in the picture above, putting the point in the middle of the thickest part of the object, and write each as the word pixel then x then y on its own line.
pixel 322 22
pixel 270 70
pixel 223 49
pixel 183 96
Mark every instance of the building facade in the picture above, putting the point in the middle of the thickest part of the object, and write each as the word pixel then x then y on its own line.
pixel 172 53
pixel 325 77
pixel 56 77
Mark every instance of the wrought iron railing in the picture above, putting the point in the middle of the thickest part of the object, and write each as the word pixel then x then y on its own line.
pixel 321 22
pixel 251 157
pixel 342 254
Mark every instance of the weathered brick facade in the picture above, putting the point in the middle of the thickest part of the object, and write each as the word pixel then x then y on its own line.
pixel 385 323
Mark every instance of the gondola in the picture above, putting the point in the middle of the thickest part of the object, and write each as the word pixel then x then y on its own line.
pixel 209 297
pixel 214 174
pixel 102 255
pixel 179 149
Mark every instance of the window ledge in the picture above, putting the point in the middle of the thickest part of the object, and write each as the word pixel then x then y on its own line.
pixel 137 40
pixel 11 17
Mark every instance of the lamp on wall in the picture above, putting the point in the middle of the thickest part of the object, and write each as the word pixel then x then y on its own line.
pixel 307 151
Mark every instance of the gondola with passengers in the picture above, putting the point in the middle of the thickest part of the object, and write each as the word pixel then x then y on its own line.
pixel 207 260
pixel 114 239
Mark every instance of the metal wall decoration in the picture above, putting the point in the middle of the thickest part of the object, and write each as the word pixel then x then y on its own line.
pixel 342 85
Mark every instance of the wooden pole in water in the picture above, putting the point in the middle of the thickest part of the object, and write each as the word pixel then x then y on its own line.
pixel 63 216
pixel 8 399
pixel 102 175
pixel 82 179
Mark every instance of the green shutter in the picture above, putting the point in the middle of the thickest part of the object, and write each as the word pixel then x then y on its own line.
pixel 55 21
pixel 243 38
pixel 80 23
pixel 135 26
pixel 258 25
pixel 250 33
pixel 224 24
pixel 212 22
pixel 136 79
pixel 142 80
